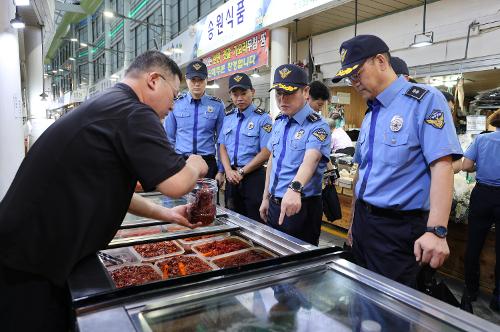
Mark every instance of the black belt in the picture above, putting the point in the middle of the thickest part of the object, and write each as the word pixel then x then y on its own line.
pixel 206 156
pixel 487 186
pixel 277 200
pixel 391 213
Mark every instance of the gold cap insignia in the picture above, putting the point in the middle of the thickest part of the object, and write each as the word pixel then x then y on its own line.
pixel 238 78
pixel 197 66
pixel 284 72
pixel 343 53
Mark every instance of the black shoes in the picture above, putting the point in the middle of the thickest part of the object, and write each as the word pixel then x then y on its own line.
pixel 467 298
pixel 495 303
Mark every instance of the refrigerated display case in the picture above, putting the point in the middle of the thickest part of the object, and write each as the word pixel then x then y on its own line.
pixel 298 287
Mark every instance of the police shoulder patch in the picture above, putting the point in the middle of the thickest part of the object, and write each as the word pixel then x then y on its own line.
pixel 215 98
pixel 313 117
pixel 259 111
pixel 416 92
pixel 229 111
pixel 320 134
pixel 267 127
pixel 180 96
pixel 436 119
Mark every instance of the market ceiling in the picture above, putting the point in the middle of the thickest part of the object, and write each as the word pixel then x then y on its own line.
pixel 343 15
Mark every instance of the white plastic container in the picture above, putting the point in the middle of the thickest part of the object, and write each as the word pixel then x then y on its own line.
pixel 179 251
pixel 219 260
pixel 175 271
pixel 187 244
pixel 196 248
pixel 127 255
pixel 133 279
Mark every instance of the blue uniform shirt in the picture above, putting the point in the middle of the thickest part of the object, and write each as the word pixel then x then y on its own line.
pixel 192 127
pixel 245 134
pixel 289 141
pixel 407 128
pixel 485 151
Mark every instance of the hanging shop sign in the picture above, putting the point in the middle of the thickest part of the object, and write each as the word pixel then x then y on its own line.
pixel 237 19
pixel 476 124
pixel 246 54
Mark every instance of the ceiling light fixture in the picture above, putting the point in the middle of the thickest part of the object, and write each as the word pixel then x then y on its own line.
pixel 73 39
pixel 425 38
pixel 108 13
pixel 71 58
pixel 22 2
pixel 16 22
pixel 83 45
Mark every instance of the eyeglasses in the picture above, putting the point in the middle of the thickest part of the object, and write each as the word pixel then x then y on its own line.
pixel 174 92
pixel 354 78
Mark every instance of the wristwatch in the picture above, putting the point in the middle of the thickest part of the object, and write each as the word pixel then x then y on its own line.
pixel 439 231
pixel 241 171
pixel 296 186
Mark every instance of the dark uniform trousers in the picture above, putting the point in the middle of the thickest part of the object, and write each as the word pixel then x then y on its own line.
pixel 212 165
pixel 32 303
pixel 383 241
pixel 305 225
pixel 246 197
pixel 484 210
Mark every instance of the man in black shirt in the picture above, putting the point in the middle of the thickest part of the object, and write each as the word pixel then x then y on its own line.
pixel 76 184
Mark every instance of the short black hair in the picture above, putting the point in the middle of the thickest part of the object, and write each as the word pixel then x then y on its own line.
pixel 151 60
pixel 317 90
pixel 449 97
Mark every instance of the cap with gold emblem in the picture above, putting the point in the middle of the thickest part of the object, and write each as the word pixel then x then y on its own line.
pixel 240 80
pixel 196 69
pixel 288 78
pixel 355 51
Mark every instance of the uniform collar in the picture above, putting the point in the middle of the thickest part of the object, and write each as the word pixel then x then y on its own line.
pixel 190 97
pixel 248 111
pixel 301 115
pixel 389 94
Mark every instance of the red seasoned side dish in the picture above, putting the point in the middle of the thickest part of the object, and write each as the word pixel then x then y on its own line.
pixel 156 249
pixel 247 257
pixel 179 266
pixel 196 238
pixel 134 275
pixel 220 247
pixel 203 210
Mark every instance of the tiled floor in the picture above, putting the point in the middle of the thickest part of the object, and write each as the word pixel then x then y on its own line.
pixel 480 307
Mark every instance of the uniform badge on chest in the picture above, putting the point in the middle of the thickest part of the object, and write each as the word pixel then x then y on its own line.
pixel 396 123
pixel 210 109
pixel 299 134
pixel 250 125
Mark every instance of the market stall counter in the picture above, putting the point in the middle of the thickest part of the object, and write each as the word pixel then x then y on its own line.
pixel 238 274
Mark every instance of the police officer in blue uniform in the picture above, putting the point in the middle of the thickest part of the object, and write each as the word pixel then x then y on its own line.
pixel 405 150
pixel 484 209
pixel 196 121
pixel 300 150
pixel 243 148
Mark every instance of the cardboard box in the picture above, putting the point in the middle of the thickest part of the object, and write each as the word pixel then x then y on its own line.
pixel 347 192
pixel 345 183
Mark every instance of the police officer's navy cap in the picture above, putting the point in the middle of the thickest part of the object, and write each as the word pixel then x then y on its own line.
pixel 196 69
pixel 400 67
pixel 288 78
pixel 355 51
pixel 240 80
